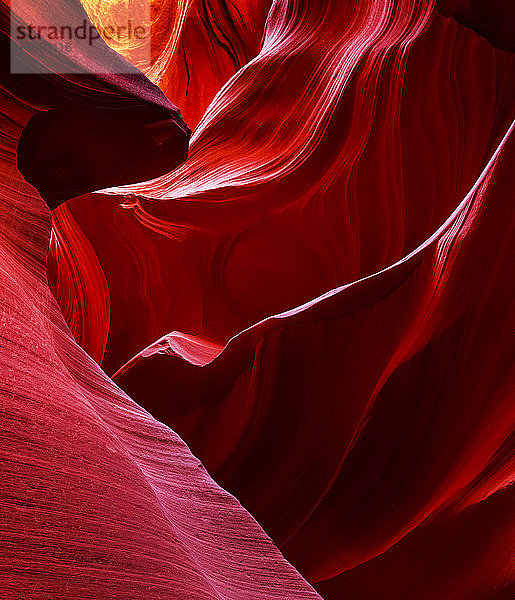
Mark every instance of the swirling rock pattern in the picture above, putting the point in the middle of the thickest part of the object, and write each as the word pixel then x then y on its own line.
pixel 317 300
pixel 98 499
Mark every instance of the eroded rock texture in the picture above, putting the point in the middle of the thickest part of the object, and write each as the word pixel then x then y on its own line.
pixel 318 300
